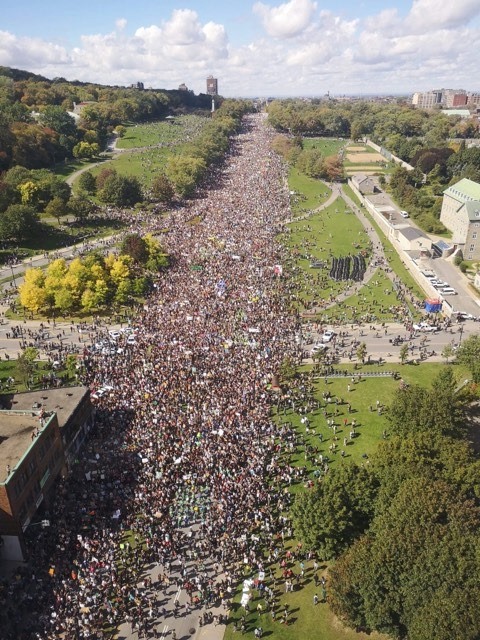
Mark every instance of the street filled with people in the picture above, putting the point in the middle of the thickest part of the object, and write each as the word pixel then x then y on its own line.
pixel 175 474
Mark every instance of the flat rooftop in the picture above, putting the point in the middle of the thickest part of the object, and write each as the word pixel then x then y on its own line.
pixel 62 401
pixel 19 416
pixel 16 430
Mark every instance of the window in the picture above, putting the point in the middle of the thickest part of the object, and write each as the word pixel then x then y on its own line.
pixel 472 247
pixel 474 236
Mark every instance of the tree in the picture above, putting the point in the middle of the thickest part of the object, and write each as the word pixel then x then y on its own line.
pixel 329 517
pixel 120 130
pixel 468 354
pixel 103 176
pixel 71 362
pixel 135 247
pixel 162 189
pixel 157 256
pixel 19 222
pixel 185 172
pixel 362 351
pixel 80 207
pixel 64 300
pixel 26 363
pixel 447 352
pixel 56 208
pixel 403 353
pixel 87 183
pixel 440 409
pixel 86 150
pixel 122 191
pixel 424 546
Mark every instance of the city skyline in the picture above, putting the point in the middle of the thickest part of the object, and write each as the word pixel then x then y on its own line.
pixel 298 47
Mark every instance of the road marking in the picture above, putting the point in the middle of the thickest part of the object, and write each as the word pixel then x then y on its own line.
pixel 165 631
pixel 178 594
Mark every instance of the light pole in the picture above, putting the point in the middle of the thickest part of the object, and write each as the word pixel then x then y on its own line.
pixel 461 335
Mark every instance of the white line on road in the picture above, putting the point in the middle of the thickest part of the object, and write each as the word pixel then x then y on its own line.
pixel 164 631
pixel 178 594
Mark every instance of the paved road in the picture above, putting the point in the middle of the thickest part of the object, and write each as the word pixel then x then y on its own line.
pixel 379 341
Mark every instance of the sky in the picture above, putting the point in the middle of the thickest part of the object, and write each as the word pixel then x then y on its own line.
pixel 260 48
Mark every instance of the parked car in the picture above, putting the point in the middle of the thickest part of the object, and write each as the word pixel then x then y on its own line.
pixel 327 336
pixel 404 214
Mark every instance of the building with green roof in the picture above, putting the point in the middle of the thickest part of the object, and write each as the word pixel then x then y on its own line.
pixel 461 215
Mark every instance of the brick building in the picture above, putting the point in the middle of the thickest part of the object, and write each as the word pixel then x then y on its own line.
pixel 41 433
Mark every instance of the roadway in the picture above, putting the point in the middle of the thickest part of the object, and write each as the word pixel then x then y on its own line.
pixel 379 341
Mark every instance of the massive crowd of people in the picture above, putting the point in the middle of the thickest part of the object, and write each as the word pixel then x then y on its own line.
pixel 175 473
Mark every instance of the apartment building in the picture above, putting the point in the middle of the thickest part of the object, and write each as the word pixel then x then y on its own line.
pixel 461 215
pixel 41 434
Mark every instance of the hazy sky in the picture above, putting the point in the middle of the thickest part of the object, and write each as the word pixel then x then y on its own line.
pixel 298 47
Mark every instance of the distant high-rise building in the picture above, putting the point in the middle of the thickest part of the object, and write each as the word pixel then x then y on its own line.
pixel 182 87
pixel 427 99
pixel 212 86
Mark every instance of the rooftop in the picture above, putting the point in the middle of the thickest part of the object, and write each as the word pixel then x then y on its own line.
pixel 19 416
pixel 465 190
pixel 16 428
pixel 411 233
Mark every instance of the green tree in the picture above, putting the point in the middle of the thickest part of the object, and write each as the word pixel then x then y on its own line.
pixel 86 150
pixel 162 189
pixel 87 182
pixel 19 222
pixel 468 354
pixel 423 546
pixel 122 191
pixel 448 352
pixel 362 352
pixel 185 173
pixel 339 509
pixel 80 207
pixel 56 208
pixel 440 409
pixel 403 353
pixel 26 363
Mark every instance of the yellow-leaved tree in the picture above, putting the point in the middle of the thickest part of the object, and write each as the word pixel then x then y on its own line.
pixel 32 292
pixel 120 269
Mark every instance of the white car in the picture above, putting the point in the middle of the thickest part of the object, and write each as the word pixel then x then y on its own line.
pixel 114 334
pixel 328 335
pixel 404 214
pixel 131 339
pixel 318 347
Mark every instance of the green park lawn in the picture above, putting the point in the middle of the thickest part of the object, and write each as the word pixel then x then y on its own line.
pixel 144 165
pixel 327 146
pixel 376 301
pixel 310 193
pixel 307 620
pixel 8 369
pixel 332 232
pixel 181 129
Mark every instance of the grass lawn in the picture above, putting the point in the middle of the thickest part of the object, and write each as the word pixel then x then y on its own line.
pixel 182 129
pixel 333 232
pixel 310 193
pixel 8 369
pixel 144 165
pixel 327 146
pixel 65 169
pixel 307 620
pixel 375 302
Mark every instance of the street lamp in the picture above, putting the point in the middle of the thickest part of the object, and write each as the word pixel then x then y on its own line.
pixel 461 335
